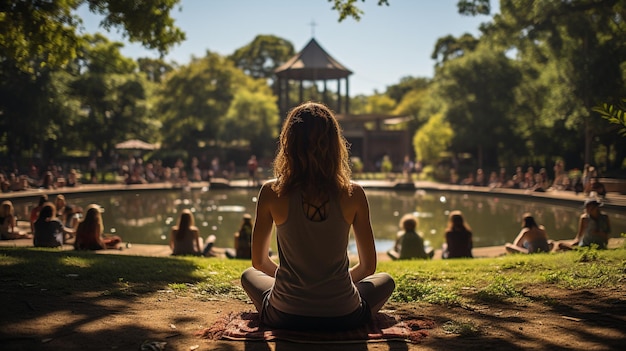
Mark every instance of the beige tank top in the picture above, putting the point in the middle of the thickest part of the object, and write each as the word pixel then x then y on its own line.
pixel 313 278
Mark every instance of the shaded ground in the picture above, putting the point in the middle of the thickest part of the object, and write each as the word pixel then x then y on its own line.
pixel 547 318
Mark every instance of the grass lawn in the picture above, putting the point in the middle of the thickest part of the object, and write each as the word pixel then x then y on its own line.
pixel 444 282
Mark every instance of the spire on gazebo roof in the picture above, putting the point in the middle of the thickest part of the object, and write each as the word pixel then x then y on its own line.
pixel 312 63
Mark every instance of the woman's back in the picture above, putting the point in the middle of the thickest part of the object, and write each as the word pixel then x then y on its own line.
pixel 316 253
pixel 535 240
pixel 48 233
pixel 412 246
pixel 244 247
pixel 185 242
pixel 459 243
pixel 88 237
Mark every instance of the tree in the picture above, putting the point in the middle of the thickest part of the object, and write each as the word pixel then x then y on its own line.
pixel 379 104
pixel 405 86
pixel 578 49
pixel 40 46
pixel 154 69
pixel 475 93
pixel 253 119
pixel 412 103
pixel 474 7
pixel 113 93
pixel 196 98
pixel 615 114
pixel 37 34
pixel 263 55
pixel 347 8
pixel 433 139
pixel 450 47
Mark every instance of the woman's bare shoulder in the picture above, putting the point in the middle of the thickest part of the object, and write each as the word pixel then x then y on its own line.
pixel 267 190
pixel 356 197
pixel 357 189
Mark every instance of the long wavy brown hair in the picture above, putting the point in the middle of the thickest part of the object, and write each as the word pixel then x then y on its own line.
pixel 457 223
pixel 312 153
pixel 185 222
pixel 92 222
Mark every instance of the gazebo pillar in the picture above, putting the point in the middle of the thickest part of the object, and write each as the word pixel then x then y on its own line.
pixel 347 96
pixel 339 95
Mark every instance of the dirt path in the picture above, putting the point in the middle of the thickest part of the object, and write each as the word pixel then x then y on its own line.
pixel 547 318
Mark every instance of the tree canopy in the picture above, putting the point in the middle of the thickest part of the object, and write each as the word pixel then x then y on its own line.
pixel 348 8
pixel 36 34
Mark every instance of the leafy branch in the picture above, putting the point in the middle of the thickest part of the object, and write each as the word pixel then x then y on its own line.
pixel 615 114
pixel 348 8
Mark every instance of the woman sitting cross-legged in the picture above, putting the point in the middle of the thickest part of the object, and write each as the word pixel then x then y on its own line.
pixel 459 242
pixel 185 237
pixel 313 204
pixel 409 243
pixel 48 229
pixel 8 223
pixel 89 233
pixel 531 239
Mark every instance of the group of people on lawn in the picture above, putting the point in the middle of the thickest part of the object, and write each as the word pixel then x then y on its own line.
pixel 313 206
pixel 593 230
pixel 54 224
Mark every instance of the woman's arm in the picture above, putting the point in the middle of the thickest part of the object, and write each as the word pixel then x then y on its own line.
pixel 582 224
pixel 99 235
pixel 363 235
pixel 12 223
pixel 520 237
pixel 236 240
pixel 196 235
pixel 262 232
pixel 68 230
pixel 172 236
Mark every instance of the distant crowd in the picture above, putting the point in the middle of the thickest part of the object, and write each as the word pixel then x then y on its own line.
pixel 132 170
pixel 577 181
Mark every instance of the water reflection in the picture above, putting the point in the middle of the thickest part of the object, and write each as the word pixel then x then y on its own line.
pixel 146 216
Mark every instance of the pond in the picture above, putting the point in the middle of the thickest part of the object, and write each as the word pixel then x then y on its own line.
pixel 146 216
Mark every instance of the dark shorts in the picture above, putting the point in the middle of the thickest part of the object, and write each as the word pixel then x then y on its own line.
pixel 281 320
pixel 537 246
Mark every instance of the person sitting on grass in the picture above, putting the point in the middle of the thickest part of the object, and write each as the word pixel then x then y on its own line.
pixel 594 227
pixel 89 233
pixel 243 240
pixel 531 239
pixel 313 204
pixel 8 223
pixel 185 237
pixel 409 243
pixel 49 231
pixel 458 237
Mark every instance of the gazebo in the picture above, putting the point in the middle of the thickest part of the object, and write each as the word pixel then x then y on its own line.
pixel 312 64
pixel 370 144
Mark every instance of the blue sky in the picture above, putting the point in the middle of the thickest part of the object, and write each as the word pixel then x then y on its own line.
pixel 388 43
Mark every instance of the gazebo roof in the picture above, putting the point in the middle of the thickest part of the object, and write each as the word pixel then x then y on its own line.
pixel 312 63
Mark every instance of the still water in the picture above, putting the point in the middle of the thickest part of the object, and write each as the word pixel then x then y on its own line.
pixel 146 216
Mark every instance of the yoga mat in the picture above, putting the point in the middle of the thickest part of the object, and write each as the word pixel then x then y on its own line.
pixel 245 326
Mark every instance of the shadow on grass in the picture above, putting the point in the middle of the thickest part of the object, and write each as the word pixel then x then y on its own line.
pixel 53 299
pixel 598 321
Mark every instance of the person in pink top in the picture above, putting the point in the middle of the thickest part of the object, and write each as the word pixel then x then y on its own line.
pixel 313 204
